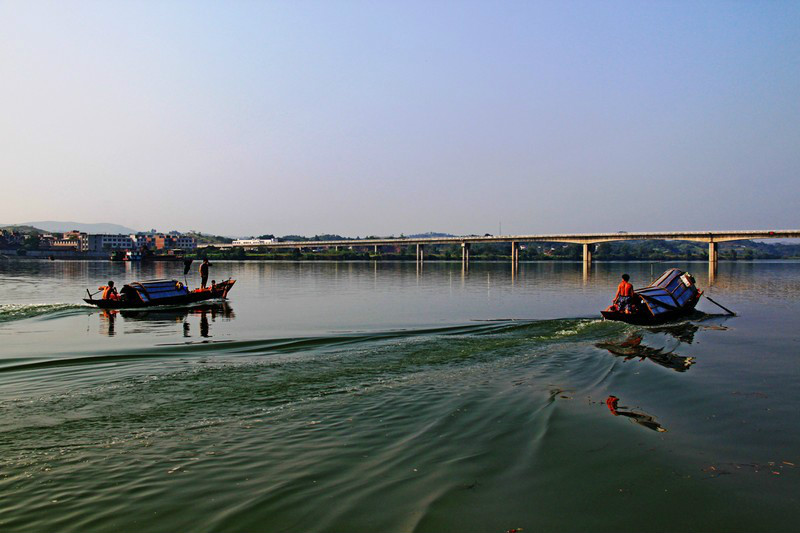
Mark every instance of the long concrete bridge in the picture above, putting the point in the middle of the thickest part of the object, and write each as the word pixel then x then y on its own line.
pixel 588 240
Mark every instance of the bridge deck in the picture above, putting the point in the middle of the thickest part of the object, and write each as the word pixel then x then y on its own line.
pixel 575 238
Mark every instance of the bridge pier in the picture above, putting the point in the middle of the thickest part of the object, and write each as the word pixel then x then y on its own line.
pixel 376 249
pixel 420 253
pixel 465 246
pixel 587 254
pixel 514 252
pixel 713 252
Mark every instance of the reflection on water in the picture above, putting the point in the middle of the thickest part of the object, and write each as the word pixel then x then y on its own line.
pixel 713 268
pixel 632 347
pixel 777 278
pixel 642 419
pixel 157 320
pixel 108 318
pixel 683 331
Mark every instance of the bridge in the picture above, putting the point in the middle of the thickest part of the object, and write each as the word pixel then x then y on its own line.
pixel 588 240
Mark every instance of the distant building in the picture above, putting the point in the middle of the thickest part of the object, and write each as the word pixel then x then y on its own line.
pixel 66 244
pixel 184 242
pixel 75 236
pixel 162 241
pixel 46 241
pixel 83 242
pixel 102 242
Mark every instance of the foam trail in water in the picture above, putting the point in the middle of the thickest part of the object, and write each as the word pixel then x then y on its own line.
pixel 542 331
pixel 11 312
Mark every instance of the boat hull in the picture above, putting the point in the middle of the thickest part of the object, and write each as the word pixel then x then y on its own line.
pixel 647 319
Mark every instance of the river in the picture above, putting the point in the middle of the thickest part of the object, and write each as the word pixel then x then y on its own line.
pixel 384 397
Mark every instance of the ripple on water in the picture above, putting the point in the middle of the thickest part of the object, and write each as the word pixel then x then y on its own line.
pixel 12 312
pixel 390 431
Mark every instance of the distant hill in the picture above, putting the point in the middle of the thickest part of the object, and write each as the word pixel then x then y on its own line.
pixel 21 228
pixel 60 227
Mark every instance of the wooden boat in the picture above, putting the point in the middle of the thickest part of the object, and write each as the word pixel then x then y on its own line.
pixel 672 296
pixel 161 292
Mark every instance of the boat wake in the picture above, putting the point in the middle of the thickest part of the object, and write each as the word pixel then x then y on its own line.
pixel 12 312
pixel 473 337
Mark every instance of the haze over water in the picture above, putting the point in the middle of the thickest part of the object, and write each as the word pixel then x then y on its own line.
pixel 375 396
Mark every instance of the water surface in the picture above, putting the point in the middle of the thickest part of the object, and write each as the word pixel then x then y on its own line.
pixel 382 397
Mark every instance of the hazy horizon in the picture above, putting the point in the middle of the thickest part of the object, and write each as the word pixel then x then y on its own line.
pixel 361 118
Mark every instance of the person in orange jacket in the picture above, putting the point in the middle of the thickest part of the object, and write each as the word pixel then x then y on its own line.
pixel 110 292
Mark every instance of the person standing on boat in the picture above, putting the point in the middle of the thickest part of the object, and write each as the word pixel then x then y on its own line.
pixel 204 273
pixel 624 294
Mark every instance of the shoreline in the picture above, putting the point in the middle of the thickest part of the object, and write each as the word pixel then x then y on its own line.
pixel 6 257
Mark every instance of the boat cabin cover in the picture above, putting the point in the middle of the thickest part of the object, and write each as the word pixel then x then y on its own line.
pixel 672 291
pixel 150 292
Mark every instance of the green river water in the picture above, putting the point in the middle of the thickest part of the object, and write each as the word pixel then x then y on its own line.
pixel 378 397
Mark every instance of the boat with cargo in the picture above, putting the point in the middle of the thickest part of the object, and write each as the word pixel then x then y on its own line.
pixel 160 292
pixel 672 296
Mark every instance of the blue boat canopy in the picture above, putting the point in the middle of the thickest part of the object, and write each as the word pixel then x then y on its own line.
pixel 673 290
pixel 158 289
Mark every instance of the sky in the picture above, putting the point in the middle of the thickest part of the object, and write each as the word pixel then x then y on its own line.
pixel 380 118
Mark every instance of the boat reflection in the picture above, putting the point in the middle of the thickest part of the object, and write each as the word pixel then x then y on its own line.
pixel 161 320
pixel 632 347
pixel 642 419
pixel 683 331
pixel 108 319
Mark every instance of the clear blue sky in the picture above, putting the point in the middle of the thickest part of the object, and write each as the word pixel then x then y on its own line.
pixel 359 118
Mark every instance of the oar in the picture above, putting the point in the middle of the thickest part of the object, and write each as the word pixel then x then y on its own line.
pixel 187 264
pixel 722 306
